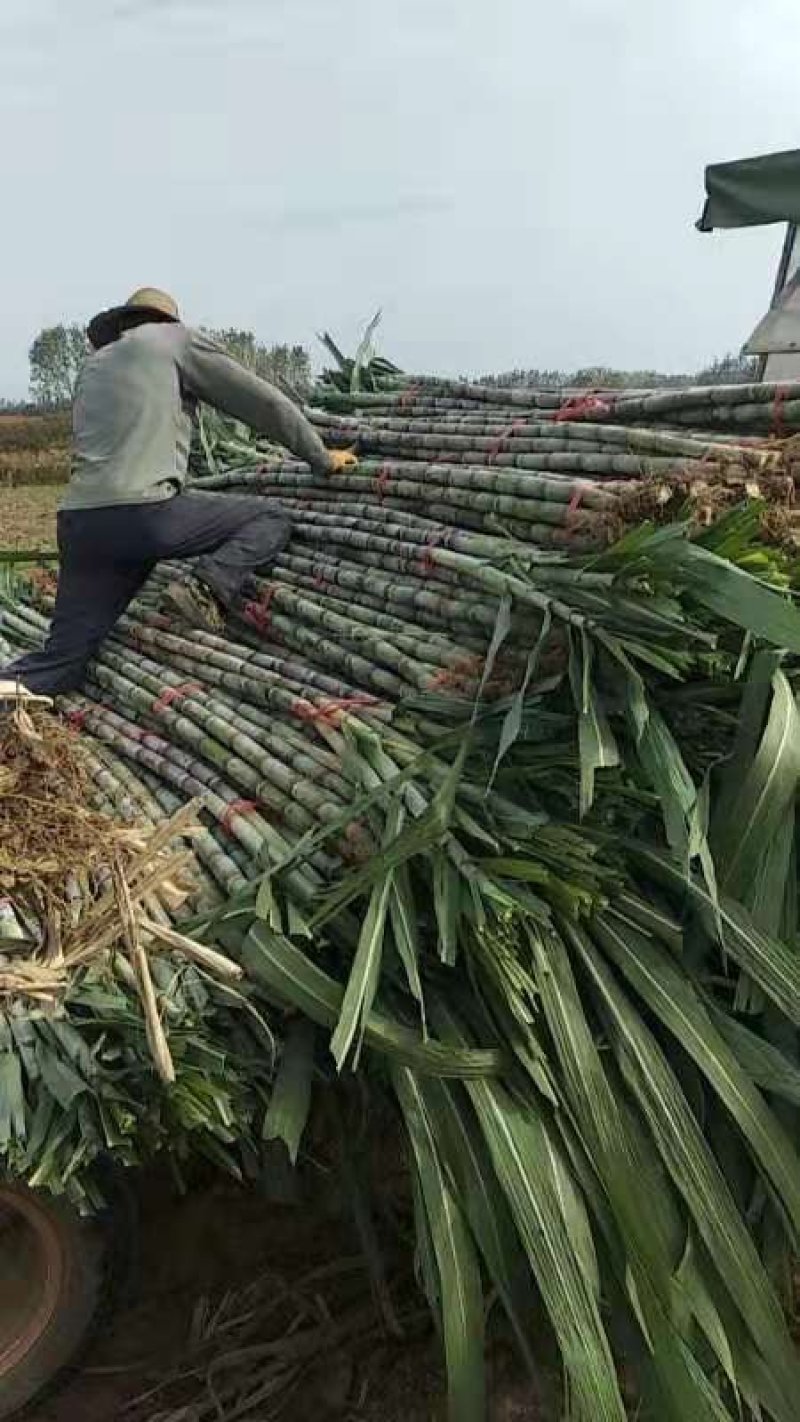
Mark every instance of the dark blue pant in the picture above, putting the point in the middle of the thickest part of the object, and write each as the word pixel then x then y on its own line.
pixel 105 555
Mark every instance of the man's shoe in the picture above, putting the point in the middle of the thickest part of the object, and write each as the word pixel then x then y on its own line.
pixel 195 605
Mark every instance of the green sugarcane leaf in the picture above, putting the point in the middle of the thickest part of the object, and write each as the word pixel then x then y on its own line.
pixel 469 1167
pixel 551 1220
pixel 757 1384
pixel 420 836
pixel 664 1303
pixel 364 354
pixel 283 968
pixel 290 1101
pixel 618 1162
pixel 446 905
pixel 405 928
pixel 596 743
pixel 667 773
pixel 267 906
pixel 458 1269
pixel 427 1270
pixel 47 1168
pixel 764 795
pixel 648 915
pixel 749 729
pixel 768 1067
pixel 362 983
pixel 26 1042
pixel 694 1170
pixel 671 996
pixel 58 1076
pixel 471 827
pixel 685 810
pixel 775 879
pixel 698 823
pixel 12 1100
pixel 69 1040
pixel 743 657
pixel 512 722
pixel 637 702
pixel 668 661
pixel 502 627
pixel 689 1281
pixel 297 924
pixel 771 963
pixel 39 1129
pixel 550 1217
pixel 732 594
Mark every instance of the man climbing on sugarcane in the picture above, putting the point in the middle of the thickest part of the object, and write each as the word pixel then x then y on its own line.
pixel 126 507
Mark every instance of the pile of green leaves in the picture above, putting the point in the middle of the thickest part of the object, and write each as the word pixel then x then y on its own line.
pixel 81 1086
pixel 365 371
pixel 575 961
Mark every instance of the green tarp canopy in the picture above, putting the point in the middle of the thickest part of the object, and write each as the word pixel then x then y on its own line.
pixel 753 191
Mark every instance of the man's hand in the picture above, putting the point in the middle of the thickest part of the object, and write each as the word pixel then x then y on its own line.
pixel 341 461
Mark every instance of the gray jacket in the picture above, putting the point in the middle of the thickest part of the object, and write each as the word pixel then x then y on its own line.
pixel 133 411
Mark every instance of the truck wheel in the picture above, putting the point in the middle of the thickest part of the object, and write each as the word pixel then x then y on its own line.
pixel 53 1272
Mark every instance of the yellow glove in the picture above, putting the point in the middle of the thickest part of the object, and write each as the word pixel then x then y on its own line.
pixel 341 461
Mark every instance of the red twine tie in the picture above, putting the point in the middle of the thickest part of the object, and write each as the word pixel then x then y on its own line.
pixel 333 707
pixel 76 720
pixel 258 613
pixel 505 434
pixel 463 671
pixel 383 481
pixel 427 562
pixel 236 807
pixel 172 693
pixel 582 405
pixel 572 509
pixel 778 430
pixel 356 845
pixel 408 396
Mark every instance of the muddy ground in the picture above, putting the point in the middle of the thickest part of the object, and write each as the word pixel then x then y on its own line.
pixel 198 1252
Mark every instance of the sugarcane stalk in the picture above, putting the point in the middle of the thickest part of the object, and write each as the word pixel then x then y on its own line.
pixel 156 1036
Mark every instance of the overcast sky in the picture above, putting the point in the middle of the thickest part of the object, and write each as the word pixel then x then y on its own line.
pixel 515 182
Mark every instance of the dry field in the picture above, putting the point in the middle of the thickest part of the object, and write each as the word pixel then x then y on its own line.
pixel 34 449
pixel 28 516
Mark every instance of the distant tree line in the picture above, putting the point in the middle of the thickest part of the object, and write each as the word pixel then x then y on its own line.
pixel 19 407
pixel 728 370
pixel 286 366
pixel 58 352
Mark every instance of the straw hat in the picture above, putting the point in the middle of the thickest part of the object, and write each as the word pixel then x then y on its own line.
pixel 147 301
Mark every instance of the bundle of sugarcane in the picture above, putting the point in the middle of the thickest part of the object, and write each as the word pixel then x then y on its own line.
pixel 513 827
pixel 767 409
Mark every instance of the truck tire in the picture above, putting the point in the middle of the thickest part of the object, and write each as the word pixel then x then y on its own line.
pixel 54 1273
